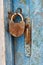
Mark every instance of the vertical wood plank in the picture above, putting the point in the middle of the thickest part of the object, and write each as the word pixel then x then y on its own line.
pixel 2 36
pixel 8 37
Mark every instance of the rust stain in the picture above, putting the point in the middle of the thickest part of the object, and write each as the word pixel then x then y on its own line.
pixel 9 15
pixel 27 33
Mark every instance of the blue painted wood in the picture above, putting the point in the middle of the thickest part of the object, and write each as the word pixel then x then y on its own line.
pixel 20 57
pixel 15 51
pixel 8 38
pixel 36 14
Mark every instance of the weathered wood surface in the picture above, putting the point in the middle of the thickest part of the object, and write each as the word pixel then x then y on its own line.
pixel 36 14
pixel 2 35
pixel 8 38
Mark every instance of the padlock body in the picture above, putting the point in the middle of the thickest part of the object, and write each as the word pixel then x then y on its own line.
pixel 16 29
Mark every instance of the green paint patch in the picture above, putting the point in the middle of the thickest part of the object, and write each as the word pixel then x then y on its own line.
pixel 42 2
pixel 23 1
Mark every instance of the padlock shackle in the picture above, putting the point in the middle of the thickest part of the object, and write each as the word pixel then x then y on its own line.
pixel 15 14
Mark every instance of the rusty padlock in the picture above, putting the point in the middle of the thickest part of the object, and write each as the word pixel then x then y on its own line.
pixel 16 29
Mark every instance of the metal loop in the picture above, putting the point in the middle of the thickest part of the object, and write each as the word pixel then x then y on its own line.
pixel 15 14
pixel 18 10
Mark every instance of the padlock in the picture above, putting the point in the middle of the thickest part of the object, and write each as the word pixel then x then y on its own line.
pixel 16 29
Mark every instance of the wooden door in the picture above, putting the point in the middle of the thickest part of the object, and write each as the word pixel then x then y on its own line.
pixel 15 50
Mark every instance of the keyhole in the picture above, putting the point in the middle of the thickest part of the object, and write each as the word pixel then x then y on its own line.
pixel 17 19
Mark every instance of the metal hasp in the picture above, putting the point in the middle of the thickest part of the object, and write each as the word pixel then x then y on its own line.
pixel 27 34
pixel 16 29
